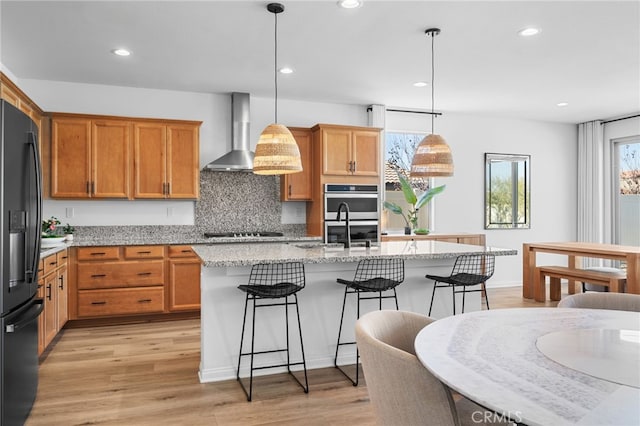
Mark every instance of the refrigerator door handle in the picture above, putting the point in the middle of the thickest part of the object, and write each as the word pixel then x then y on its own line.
pixel 33 143
pixel 33 313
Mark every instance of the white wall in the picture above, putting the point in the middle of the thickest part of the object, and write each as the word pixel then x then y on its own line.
pixel 214 110
pixel 553 150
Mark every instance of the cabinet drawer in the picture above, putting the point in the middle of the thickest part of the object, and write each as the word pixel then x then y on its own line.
pixel 50 264
pixel 98 253
pixel 120 274
pixel 181 251
pixel 123 301
pixel 144 252
pixel 62 256
pixel 40 268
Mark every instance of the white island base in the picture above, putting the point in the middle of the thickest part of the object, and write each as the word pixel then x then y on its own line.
pixel 320 303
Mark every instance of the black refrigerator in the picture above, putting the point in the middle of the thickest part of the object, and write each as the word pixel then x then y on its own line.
pixel 20 219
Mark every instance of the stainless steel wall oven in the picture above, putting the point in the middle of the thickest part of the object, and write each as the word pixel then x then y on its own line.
pixel 363 204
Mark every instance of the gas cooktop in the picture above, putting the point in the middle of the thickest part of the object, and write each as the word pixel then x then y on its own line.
pixel 242 234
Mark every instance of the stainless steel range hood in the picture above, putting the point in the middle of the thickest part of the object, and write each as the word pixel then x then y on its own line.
pixel 240 158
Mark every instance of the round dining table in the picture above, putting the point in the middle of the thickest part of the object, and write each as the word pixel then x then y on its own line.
pixel 541 366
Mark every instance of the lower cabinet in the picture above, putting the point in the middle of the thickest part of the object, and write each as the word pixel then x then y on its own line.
pixel 53 289
pixel 117 282
pixel 184 279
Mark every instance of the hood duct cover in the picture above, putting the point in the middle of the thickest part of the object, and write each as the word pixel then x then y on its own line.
pixel 240 159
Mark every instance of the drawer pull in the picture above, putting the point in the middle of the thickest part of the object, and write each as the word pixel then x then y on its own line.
pixel 98 253
pixel 98 276
pixel 144 301
pixel 144 252
pixel 53 263
pixel 99 303
pixel 144 273
pixel 186 251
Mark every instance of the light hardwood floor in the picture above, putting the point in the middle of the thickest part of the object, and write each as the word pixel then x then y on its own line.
pixel 146 374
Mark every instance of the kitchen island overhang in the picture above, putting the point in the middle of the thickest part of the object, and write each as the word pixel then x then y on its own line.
pixel 227 266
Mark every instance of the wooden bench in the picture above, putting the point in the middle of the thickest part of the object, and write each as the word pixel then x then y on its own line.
pixel 615 282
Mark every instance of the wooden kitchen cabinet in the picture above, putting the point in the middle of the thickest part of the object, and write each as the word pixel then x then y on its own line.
pixel 297 186
pixel 184 279
pixel 166 160
pixel 90 158
pixel 348 151
pixel 113 283
pixel 53 289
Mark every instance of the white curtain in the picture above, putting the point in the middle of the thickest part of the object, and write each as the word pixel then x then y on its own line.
pixel 591 189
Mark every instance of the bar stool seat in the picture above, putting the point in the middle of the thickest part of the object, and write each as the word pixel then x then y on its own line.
pixel 468 271
pixel 371 276
pixel 268 282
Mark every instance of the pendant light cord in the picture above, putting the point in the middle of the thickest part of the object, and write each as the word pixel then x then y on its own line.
pixel 275 65
pixel 432 84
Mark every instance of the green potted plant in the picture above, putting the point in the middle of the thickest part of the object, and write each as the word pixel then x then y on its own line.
pixel 415 202
pixel 68 232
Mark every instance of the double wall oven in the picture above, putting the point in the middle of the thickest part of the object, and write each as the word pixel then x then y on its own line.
pixel 363 202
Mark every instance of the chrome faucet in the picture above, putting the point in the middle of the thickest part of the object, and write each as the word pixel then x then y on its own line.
pixel 347 226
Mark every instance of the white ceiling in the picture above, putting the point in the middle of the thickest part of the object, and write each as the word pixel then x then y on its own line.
pixel 588 53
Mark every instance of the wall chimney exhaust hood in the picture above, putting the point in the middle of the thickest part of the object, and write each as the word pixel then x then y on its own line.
pixel 240 158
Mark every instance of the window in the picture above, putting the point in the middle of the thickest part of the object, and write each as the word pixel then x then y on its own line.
pixel 507 195
pixel 399 149
pixel 626 182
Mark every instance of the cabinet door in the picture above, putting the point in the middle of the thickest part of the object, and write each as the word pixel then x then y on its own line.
pixel 62 298
pixel 365 154
pixel 150 160
pixel 70 158
pixel 336 152
pixel 41 318
pixel 183 166
pixel 50 308
pixel 297 186
pixel 110 165
pixel 184 284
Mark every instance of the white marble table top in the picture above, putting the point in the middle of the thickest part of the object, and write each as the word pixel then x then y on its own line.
pixel 247 254
pixel 491 358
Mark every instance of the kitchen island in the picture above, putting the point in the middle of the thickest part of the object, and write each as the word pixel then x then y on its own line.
pixel 227 266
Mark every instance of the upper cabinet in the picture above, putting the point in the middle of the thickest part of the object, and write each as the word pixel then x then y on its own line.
pixel 16 97
pixel 90 158
pixel 112 157
pixel 297 186
pixel 347 150
pixel 166 160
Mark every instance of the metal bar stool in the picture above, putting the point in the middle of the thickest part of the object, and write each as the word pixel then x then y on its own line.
pixel 469 270
pixel 269 281
pixel 372 276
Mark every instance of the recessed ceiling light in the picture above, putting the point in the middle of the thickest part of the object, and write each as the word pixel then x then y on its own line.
pixel 420 84
pixel 285 70
pixel 121 52
pixel 529 31
pixel 562 104
pixel 350 4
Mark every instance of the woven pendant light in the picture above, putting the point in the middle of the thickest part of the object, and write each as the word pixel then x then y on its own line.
pixel 277 152
pixel 433 156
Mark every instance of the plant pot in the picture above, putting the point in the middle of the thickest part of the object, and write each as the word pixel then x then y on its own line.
pixel 68 237
pixel 47 242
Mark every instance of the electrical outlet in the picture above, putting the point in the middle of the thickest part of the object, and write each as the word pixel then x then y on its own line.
pixel 69 212
pixel 170 211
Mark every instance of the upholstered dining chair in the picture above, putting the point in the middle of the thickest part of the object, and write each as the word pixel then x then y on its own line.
pixel 614 301
pixel 401 389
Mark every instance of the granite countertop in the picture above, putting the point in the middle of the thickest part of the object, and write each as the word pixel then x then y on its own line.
pixel 248 254
pixel 129 240
pixel 48 251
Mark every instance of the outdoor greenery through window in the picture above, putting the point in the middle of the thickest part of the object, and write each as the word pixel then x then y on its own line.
pixel 399 149
pixel 507 194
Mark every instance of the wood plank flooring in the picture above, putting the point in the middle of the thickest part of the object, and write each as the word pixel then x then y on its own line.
pixel 146 374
